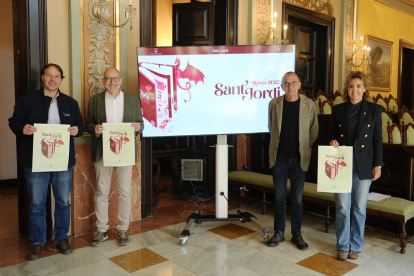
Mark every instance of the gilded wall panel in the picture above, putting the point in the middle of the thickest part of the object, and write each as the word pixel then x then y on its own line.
pixel 321 6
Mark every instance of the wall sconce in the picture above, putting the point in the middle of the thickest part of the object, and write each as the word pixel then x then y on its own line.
pixel 275 30
pixel 101 10
pixel 360 55
pixel 285 40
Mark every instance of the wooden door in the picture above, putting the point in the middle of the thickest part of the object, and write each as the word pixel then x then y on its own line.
pixel 406 75
pixel 310 56
pixel 313 34
pixel 193 24
pixel 30 55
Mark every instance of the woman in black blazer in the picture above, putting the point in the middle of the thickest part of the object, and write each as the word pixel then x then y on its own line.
pixel 356 123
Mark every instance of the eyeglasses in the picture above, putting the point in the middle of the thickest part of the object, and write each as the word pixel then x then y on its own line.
pixel 294 83
pixel 115 79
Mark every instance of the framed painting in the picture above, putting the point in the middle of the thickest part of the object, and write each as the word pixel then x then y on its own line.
pixel 380 67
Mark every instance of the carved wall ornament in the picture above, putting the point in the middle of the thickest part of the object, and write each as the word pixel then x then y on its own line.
pixel 349 32
pixel 263 21
pixel 98 60
pixel 321 6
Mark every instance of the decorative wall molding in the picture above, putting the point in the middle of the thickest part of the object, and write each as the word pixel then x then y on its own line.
pixel 98 60
pixel 321 6
pixel 349 31
pixel 263 21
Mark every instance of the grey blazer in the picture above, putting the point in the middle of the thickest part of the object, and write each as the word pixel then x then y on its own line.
pixel 97 115
pixel 308 129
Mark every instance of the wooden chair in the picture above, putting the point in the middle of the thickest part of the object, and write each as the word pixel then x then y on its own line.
pixel 380 100
pixel 394 133
pixel 327 107
pixel 318 107
pixel 337 98
pixel 406 117
pixel 302 92
pixel 320 98
pixel 409 134
pixel 385 121
pixel 392 104
pixel 321 95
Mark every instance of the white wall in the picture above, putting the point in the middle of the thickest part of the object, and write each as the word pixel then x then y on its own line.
pixel 8 156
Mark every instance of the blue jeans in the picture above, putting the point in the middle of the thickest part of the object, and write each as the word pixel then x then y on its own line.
pixel 37 186
pixel 350 225
pixel 283 169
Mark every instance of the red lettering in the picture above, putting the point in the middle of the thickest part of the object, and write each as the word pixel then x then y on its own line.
pixel 218 86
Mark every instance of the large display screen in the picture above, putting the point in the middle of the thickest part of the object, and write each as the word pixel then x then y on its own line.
pixel 203 90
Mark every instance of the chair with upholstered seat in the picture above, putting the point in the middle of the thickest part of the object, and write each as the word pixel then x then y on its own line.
pixel 337 98
pixel 392 104
pixel 394 133
pixel 385 121
pixel 409 134
pixel 326 107
pixel 381 101
pixel 302 92
pixel 406 117
pixel 320 98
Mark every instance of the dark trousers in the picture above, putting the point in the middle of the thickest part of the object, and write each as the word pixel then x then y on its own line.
pixel 283 169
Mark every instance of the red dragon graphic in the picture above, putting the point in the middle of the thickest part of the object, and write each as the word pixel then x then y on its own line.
pixel 191 73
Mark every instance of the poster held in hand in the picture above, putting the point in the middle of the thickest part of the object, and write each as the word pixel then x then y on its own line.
pixel 51 144
pixel 118 145
pixel 334 169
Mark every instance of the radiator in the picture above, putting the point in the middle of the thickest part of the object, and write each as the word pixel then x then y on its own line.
pixel 192 169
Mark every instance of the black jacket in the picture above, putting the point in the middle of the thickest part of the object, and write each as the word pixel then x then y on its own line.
pixel 34 108
pixel 368 148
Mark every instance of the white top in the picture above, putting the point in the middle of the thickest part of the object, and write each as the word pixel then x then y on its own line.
pixel 114 108
pixel 53 117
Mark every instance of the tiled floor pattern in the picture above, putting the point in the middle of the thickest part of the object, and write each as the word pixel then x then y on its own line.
pixel 231 231
pixel 219 248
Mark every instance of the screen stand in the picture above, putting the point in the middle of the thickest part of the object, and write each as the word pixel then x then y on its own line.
pixel 222 157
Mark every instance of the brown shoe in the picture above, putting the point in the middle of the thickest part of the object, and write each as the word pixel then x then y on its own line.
pixel 342 256
pixel 353 255
pixel 64 247
pixel 35 251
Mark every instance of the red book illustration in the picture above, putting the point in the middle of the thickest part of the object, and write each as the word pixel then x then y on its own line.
pixel 156 95
pixel 48 147
pixel 115 143
pixel 158 85
pixel 331 168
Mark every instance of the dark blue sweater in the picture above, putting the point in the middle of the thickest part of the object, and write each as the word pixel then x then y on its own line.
pixel 34 108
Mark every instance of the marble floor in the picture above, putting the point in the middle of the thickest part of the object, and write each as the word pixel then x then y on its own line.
pixel 214 248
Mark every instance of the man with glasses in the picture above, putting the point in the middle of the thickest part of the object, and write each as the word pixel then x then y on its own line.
pixel 112 106
pixel 46 106
pixel 293 127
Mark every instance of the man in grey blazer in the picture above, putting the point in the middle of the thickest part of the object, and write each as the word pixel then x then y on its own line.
pixel 293 127
pixel 112 106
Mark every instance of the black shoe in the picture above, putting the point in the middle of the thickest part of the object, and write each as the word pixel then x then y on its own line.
pixel 35 251
pixel 298 240
pixel 276 239
pixel 64 247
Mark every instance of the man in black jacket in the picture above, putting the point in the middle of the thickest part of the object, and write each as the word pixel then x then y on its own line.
pixel 46 106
